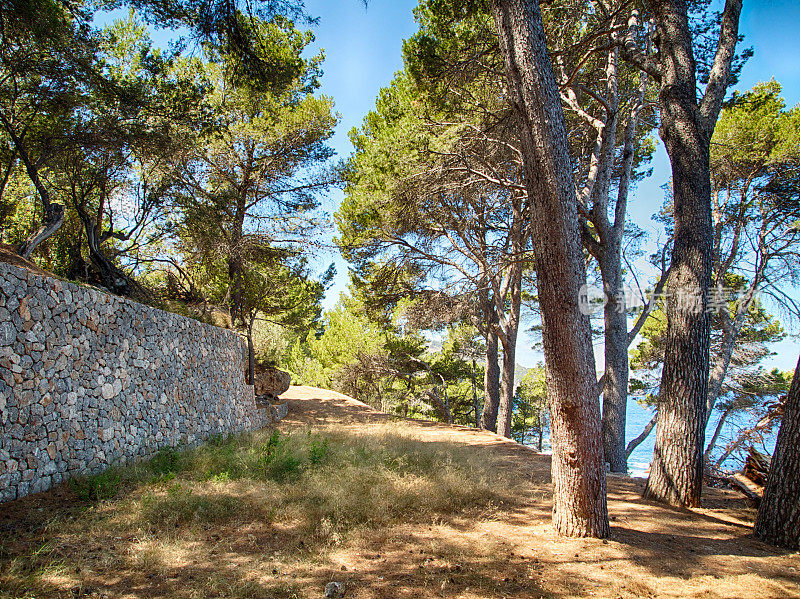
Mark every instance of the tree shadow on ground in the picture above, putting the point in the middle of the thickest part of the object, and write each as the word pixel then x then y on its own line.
pixel 499 549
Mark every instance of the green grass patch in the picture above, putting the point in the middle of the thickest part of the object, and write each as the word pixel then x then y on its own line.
pixel 166 462
pixel 181 505
pixel 97 487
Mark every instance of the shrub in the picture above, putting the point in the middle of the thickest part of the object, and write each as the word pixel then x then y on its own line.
pixel 166 461
pixel 97 487
pixel 318 451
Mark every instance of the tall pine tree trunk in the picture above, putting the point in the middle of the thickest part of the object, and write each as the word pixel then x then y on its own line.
pixel 615 386
pixel 778 520
pixel 475 397
pixel 509 339
pixel 506 409
pixel 578 471
pixel 491 381
pixel 676 472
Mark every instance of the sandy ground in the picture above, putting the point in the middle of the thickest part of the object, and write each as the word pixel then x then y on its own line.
pixel 654 551
pixel 503 550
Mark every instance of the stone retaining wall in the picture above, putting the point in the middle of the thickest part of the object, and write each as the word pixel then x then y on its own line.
pixel 89 379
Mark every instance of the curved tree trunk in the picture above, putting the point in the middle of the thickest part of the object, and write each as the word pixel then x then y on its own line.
pixel 52 219
pixel 778 520
pixel 722 362
pixel 719 370
pixel 711 444
pixel 676 473
pixel 52 213
pixel 578 470
pixel 111 276
pixel 642 436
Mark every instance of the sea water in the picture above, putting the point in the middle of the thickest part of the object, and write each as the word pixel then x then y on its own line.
pixel 638 416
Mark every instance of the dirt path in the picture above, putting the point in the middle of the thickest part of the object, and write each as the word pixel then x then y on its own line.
pixel 654 551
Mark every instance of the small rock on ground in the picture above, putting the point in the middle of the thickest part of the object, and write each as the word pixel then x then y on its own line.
pixel 334 590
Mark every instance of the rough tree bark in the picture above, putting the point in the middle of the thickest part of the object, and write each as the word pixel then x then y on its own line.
pixel 491 384
pixel 475 397
pixel 509 340
pixel 578 469
pixel 491 378
pixel 676 473
pixel 778 520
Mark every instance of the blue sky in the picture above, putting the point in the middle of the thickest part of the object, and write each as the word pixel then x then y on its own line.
pixel 363 51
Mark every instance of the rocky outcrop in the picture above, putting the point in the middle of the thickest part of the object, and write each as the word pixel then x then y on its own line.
pixel 269 384
pixel 271 381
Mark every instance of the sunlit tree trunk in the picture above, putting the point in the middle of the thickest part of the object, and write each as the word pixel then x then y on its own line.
pixel 676 472
pixel 778 520
pixel 578 470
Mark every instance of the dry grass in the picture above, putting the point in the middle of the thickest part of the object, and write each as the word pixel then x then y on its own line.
pixel 391 509
pixel 306 492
